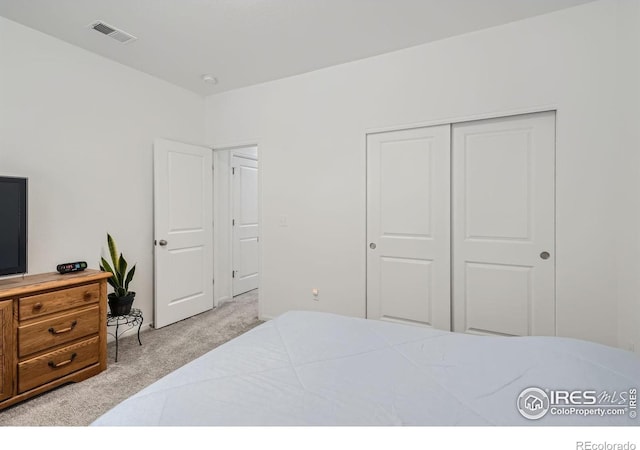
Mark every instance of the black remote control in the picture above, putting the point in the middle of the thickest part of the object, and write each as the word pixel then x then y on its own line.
pixel 71 267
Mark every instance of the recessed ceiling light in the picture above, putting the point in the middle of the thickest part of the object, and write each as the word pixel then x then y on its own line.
pixel 209 79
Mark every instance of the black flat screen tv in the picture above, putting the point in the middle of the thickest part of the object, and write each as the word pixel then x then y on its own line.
pixel 13 225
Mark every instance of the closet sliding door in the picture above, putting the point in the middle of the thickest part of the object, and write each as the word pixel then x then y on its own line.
pixel 503 205
pixel 461 226
pixel 408 226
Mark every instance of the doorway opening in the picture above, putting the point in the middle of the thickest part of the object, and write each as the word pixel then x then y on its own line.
pixel 236 230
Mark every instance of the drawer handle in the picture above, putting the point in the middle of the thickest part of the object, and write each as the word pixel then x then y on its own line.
pixel 63 363
pixel 87 296
pixel 64 330
pixel 37 306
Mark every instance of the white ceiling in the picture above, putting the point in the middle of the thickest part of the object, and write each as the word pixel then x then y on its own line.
pixel 244 42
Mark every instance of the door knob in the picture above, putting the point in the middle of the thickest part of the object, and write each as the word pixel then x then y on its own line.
pixel 162 242
pixel 372 246
pixel 545 255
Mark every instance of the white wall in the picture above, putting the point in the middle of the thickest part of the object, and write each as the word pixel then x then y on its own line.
pixel 628 83
pixel 81 127
pixel 311 133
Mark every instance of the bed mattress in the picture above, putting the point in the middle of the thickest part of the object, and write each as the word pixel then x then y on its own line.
pixel 310 368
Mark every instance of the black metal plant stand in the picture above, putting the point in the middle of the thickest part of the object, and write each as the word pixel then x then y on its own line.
pixel 127 320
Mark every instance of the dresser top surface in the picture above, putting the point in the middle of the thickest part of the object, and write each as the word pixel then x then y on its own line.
pixel 17 286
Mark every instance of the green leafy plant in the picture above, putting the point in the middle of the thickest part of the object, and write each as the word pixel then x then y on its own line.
pixel 118 267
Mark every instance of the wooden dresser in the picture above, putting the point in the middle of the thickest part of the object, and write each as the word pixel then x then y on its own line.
pixel 52 331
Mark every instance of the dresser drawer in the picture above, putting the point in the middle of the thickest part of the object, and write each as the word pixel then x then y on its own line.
pixel 43 369
pixel 51 302
pixel 57 330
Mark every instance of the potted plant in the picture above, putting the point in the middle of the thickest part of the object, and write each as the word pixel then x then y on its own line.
pixel 121 298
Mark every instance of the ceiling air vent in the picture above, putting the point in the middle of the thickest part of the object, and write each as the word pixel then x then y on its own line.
pixel 112 32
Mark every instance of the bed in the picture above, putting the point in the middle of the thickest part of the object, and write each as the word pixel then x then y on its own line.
pixel 310 368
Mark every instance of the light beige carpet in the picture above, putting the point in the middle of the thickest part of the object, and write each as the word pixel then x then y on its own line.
pixel 162 350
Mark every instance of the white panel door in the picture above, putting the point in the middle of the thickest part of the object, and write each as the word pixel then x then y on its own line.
pixel 183 228
pixel 408 231
pixel 503 207
pixel 245 225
